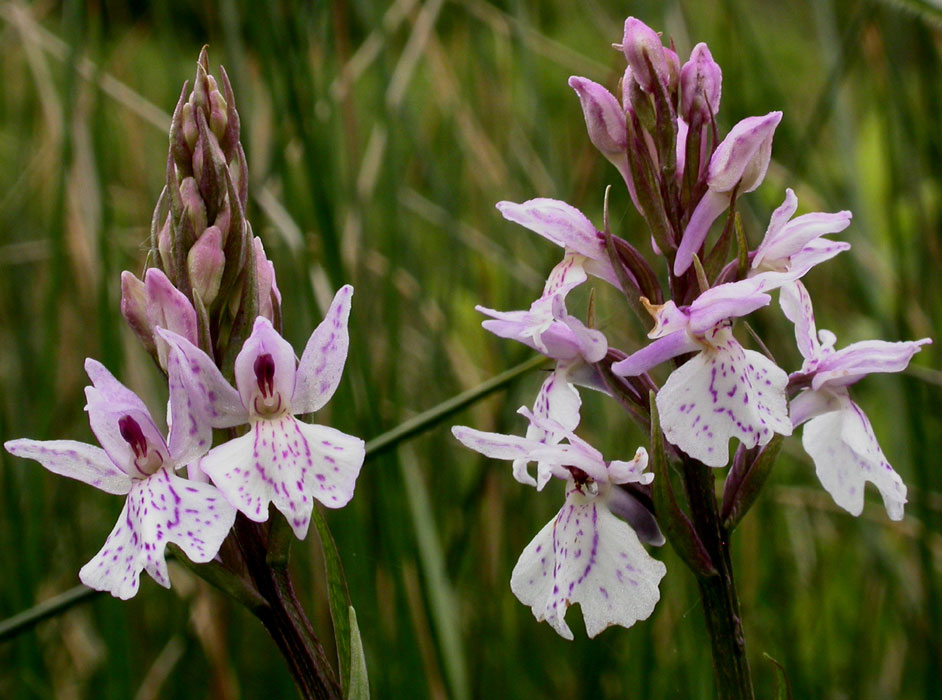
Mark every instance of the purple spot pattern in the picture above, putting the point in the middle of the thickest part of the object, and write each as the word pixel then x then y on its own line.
pixel 588 556
pixel 846 455
pixel 76 460
pixel 724 392
pixel 288 463
pixel 159 509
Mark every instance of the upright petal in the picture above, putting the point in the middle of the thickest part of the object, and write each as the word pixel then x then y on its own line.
pixel 108 403
pixel 160 509
pixel 796 304
pixel 324 356
pixel 846 455
pixel 197 383
pixel 265 344
pixel 604 116
pixel 76 460
pixel 723 393
pixel 588 556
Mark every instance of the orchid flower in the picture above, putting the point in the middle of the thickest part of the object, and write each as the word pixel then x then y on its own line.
pixel 791 247
pixel 281 460
pixel 725 390
pixel 575 349
pixel 136 460
pixel 585 554
pixel 585 254
pixel 837 434
pixel 739 163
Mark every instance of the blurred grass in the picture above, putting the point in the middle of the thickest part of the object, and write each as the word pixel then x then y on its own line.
pixel 379 138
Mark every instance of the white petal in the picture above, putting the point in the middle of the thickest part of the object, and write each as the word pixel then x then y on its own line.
pixel 75 460
pixel 324 356
pixel 277 463
pixel 500 446
pixel 721 393
pixel 796 304
pixel 588 556
pixel 338 458
pixel 160 509
pixel 846 455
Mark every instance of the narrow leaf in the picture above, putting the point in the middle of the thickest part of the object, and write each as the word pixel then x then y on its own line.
pixel 359 681
pixel 338 597
pixel 783 689
pixel 745 481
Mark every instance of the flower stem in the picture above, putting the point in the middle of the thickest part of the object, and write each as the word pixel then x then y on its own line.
pixel 284 618
pixel 718 592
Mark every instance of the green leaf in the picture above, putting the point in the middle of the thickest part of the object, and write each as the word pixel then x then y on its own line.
pixel 783 689
pixel 338 597
pixel 359 681
pixel 745 481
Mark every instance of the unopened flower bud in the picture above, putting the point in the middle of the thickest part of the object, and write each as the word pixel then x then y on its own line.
pixel 673 69
pixel 644 52
pixel 640 103
pixel 604 117
pixel 205 263
pixel 167 307
pixel 269 297
pixel 740 160
pixel 134 310
pixel 194 207
pixel 218 119
pixel 701 83
pixel 744 155
pixel 190 130
pixel 165 245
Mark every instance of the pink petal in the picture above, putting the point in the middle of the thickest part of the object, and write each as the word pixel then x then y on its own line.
pixel 558 222
pixel 710 206
pixel 265 340
pixel 200 399
pixel 654 353
pixel 857 360
pixel 108 401
pixel 325 354
pixel 168 307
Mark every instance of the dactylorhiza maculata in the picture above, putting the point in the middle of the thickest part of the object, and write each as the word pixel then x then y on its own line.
pixel 662 138
pixel 209 308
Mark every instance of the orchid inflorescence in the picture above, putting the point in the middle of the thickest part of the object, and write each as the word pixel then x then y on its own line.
pixel 662 136
pixel 209 312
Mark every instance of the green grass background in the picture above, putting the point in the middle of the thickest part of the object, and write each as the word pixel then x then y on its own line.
pixel 379 138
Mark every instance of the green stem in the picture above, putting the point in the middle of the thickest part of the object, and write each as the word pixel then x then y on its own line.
pixel 718 593
pixel 284 618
